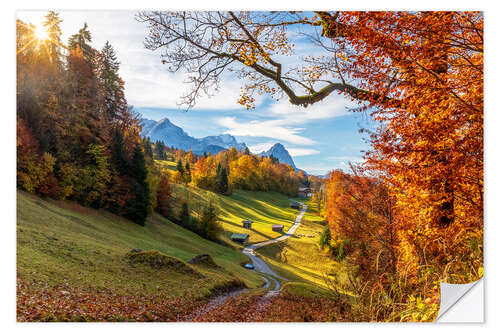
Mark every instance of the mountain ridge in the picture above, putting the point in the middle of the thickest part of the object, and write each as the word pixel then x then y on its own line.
pixel 174 136
pixel 279 152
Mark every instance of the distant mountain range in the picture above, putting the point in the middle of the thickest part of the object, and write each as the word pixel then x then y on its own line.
pixel 174 136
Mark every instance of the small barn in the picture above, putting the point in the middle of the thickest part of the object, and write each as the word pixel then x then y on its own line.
pixel 240 238
pixel 295 205
pixel 304 192
pixel 277 227
pixel 247 224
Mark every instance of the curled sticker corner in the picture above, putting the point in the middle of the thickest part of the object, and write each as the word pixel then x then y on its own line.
pixel 451 294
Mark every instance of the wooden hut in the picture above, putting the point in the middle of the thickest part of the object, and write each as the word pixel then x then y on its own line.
pixel 247 224
pixel 277 227
pixel 240 238
pixel 295 205
pixel 304 192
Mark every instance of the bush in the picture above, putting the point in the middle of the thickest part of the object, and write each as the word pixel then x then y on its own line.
pixel 324 239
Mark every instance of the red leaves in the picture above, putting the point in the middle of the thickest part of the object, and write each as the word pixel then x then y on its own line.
pixel 284 307
pixel 36 302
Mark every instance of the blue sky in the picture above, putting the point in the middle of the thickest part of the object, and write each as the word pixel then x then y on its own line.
pixel 320 138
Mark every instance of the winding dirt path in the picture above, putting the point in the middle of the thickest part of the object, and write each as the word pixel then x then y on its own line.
pixel 260 266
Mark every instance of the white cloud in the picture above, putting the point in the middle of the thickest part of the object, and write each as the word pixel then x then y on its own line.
pixel 344 159
pixel 148 83
pixel 332 106
pixel 302 151
pixel 286 121
pixel 260 147
pixel 267 129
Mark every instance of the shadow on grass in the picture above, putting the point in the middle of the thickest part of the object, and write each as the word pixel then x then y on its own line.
pixel 255 231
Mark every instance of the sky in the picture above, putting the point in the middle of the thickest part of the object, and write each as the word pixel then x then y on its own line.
pixel 320 138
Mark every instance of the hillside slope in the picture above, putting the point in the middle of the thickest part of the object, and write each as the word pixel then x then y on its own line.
pixel 63 243
pixel 263 208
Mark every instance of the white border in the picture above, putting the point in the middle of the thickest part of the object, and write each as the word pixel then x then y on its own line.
pixel 7 174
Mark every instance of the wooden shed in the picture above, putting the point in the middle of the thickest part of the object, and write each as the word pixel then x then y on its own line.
pixel 304 192
pixel 247 224
pixel 295 205
pixel 277 227
pixel 240 238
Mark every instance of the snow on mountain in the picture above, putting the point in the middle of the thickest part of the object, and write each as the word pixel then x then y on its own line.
pixel 174 136
pixel 280 152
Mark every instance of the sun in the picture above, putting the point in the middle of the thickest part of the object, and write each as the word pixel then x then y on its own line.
pixel 41 33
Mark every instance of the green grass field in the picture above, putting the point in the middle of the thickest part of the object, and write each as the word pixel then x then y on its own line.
pixel 169 165
pixel 62 243
pixel 300 259
pixel 263 208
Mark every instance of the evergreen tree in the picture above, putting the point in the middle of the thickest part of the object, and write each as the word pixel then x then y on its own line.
pixel 187 173
pixel 208 226
pixel 221 180
pixel 83 39
pixel 112 92
pixel 247 151
pixel 180 168
pixel 160 150
pixel 53 43
pixel 185 217
pixel 224 181
pixel 139 206
pixel 118 158
pixel 148 149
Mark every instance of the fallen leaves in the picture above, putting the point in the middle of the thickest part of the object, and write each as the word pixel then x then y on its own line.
pixel 40 302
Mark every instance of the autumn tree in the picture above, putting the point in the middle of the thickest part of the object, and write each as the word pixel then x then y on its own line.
pixel 361 213
pixel 163 196
pixel 418 74
pixel 76 133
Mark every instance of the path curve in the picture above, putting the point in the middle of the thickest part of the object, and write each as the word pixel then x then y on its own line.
pixel 260 265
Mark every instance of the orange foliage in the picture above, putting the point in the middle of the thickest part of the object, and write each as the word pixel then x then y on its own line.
pixel 424 72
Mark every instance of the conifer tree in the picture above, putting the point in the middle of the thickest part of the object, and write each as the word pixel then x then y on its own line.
pixel 187 173
pixel 112 90
pixel 185 217
pixel 118 158
pixel 224 181
pixel 53 42
pixel 82 39
pixel 180 168
pixel 139 206
pixel 208 226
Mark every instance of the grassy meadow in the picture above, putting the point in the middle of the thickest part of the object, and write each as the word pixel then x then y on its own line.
pixel 168 165
pixel 61 243
pixel 300 259
pixel 263 208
